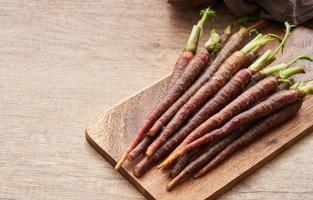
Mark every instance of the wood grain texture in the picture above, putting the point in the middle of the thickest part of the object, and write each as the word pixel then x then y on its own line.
pixel 111 132
pixel 63 61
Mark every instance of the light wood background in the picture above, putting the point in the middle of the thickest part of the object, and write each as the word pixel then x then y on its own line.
pixel 62 62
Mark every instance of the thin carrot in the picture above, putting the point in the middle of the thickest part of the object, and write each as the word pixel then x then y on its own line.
pixel 261 127
pixel 218 80
pixel 204 158
pixel 191 71
pixel 270 105
pixel 241 103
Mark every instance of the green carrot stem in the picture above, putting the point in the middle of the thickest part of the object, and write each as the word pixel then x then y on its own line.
pixel 286 73
pixel 300 58
pixel 206 15
pixel 192 43
pixel 281 81
pixel 193 40
pixel 261 62
pixel 269 56
pixel 273 70
pixel 259 42
pixel 297 85
pixel 243 30
pixel 213 41
pixel 306 90
pixel 228 30
pixel 282 66
pixel 251 45
pixel 283 42
pixel 255 50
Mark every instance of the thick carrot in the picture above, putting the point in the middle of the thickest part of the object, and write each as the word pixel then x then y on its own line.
pixel 233 44
pixel 218 80
pixel 140 148
pixel 261 127
pixel 191 71
pixel 190 48
pixel 264 108
pixel 179 67
pixel 241 103
pixel 204 158
pixel 182 163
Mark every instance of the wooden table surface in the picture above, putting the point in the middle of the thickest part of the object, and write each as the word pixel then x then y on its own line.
pixel 62 62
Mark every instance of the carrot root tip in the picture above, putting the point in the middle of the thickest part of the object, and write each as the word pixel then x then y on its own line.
pixel 149 153
pixel 169 187
pixel 160 166
pixel 120 162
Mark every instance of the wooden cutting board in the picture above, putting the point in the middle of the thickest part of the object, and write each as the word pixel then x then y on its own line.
pixel 110 133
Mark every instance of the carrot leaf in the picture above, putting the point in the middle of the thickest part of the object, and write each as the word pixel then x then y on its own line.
pixel 300 58
pixel 254 31
pixel 206 14
pixel 297 85
pixel 283 42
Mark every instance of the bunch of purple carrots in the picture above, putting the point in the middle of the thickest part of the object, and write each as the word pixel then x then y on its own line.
pixel 220 98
